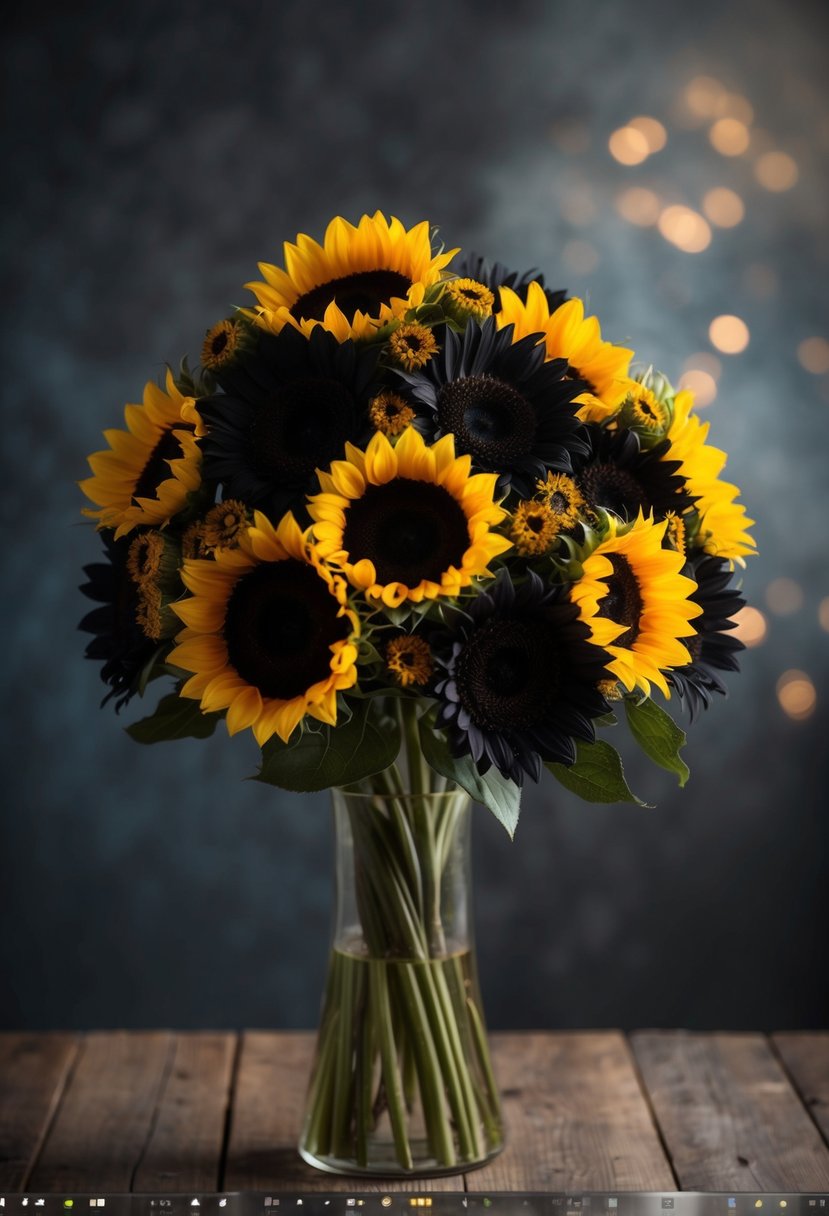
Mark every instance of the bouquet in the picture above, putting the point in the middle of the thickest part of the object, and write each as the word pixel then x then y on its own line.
pixel 416 525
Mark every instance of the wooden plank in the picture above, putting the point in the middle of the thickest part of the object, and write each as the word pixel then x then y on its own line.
pixel 105 1119
pixel 729 1117
pixel 575 1117
pixel 268 1107
pixel 33 1073
pixel 185 1148
pixel 805 1055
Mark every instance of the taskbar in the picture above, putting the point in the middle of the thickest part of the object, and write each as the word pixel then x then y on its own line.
pixel 418 1203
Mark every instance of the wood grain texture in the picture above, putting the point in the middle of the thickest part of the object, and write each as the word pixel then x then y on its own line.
pixel 576 1118
pixel 184 1152
pixel 268 1106
pixel 33 1072
pixel 105 1119
pixel 805 1055
pixel 728 1115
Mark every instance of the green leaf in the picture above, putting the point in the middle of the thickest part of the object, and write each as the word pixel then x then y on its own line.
pixel 332 755
pixel 597 774
pixel 497 793
pixel 175 717
pixel 658 736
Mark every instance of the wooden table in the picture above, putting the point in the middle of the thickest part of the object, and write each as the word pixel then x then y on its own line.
pixel 156 1111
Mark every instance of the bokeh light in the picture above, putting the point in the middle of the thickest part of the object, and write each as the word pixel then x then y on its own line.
pixel 734 105
pixel 730 136
pixel 704 96
pixel 653 131
pixel 796 694
pixel 813 354
pixel 729 334
pixel 784 596
pixel 723 207
pixel 751 627
pixel 823 613
pixel 704 361
pixel 776 171
pixel 701 383
pixel 628 146
pixel 639 206
pixel 685 228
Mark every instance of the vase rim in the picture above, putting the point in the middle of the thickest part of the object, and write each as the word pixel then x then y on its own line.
pixel 432 795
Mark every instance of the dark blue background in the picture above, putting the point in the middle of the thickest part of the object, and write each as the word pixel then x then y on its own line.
pixel 152 156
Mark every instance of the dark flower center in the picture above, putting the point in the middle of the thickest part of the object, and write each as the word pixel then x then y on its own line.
pixel 279 625
pixel 219 341
pixel 508 674
pixel 491 421
pixel 157 468
pixel 364 291
pixel 410 530
pixel 614 488
pixel 305 427
pixel 623 602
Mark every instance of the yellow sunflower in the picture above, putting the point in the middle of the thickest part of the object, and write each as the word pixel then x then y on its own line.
pixel 570 335
pixel 407 522
pixel 269 635
pixel 144 477
pixel 357 281
pixel 724 527
pixel 636 603
pixel 723 522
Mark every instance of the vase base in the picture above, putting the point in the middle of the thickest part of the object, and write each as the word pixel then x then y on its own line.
pixel 382 1166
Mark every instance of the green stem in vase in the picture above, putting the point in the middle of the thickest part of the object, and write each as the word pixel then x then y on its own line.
pixel 381 1016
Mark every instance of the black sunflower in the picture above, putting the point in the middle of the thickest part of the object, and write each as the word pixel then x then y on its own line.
pixel 620 476
pixel 495 275
pixel 118 641
pixel 513 412
pixel 711 649
pixel 522 680
pixel 290 405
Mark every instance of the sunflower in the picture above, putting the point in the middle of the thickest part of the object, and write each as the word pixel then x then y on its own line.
pixel 644 413
pixel 522 680
pixel 357 281
pixel 390 413
pixel 619 476
pixel 533 527
pixel 467 298
pixel 409 660
pixel 146 475
pixel 561 494
pixel 303 400
pixel 723 530
pixel 269 636
pixel 569 335
pixel 412 345
pixel 508 408
pixel 224 342
pixel 495 276
pixel 711 650
pixel 407 522
pixel 637 603
pixel 724 525
pixel 119 639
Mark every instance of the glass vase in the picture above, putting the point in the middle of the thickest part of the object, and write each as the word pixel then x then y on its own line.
pixel 402 1082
